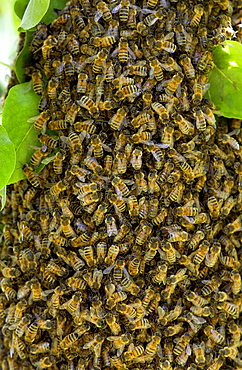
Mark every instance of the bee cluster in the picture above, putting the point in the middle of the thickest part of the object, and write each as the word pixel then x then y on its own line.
pixel 124 252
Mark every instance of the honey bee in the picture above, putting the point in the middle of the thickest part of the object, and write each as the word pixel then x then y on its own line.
pixel 99 214
pixel 152 346
pixel 31 175
pixel 82 83
pixel 173 330
pixel 22 325
pixel 57 188
pixel 212 257
pixel 41 347
pixel 117 119
pixel 230 308
pixel 182 342
pixel 38 155
pixel 160 275
pixel 186 127
pixel 130 92
pixel 198 10
pixel 66 227
pixel 73 304
pixel 78 20
pixel 152 18
pixel 129 286
pixel 236 282
pixel 111 225
pixel 213 334
pixel 196 299
pixel 140 324
pixel 161 111
pixel 93 165
pixel 31 332
pixel 211 285
pixel 69 340
pixel 199 88
pixel 42 119
pixel 144 233
pixel 99 61
pixel 187 65
pixel 88 104
pixel 174 83
pixel 49 43
pixel 156 69
pixel 103 11
pixel 117 363
pixel 140 182
pixel 52 88
pixel 217 363
pixel 233 226
pixel 37 82
pixel 133 352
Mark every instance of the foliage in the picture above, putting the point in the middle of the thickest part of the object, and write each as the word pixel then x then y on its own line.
pixel 20 105
pixel 33 11
pixel 226 80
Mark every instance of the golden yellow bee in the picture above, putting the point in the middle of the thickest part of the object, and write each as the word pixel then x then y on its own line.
pixel 182 342
pixel 133 352
pixel 161 111
pixel 31 175
pixel 156 69
pixel 42 119
pixel 152 346
pixel 82 83
pixel 213 206
pixel 213 255
pixel 92 164
pixel 140 324
pixel 173 84
pixel 154 17
pixel 117 202
pixel 89 104
pixel 68 340
pixel 37 82
pixel 112 323
pixel 31 332
pixel 130 92
pixel 49 43
pixel 117 119
pixel 198 10
pixel 103 11
pixel 213 334
pixel 22 325
pixel 196 299
pixel 211 285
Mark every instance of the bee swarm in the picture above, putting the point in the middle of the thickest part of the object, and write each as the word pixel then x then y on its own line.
pixel 124 252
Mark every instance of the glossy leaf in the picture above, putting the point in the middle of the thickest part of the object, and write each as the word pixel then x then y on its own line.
pixel 24 58
pixel 3 195
pixel 7 157
pixel 226 80
pixel 33 14
pixel 19 7
pixel 21 104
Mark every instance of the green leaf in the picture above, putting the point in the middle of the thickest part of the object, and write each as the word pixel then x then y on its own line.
pixel 226 80
pixel 19 7
pixel 3 195
pixel 21 104
pixel 33 14
pixel 7 157
pixel 24 58
pixel 51 14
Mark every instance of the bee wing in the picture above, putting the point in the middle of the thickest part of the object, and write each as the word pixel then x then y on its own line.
pixel 131 54
pixel 108 269
pixel 198 320
pixel 48 160
pixel 189 219
pixel 112 338
pixel 120 350
pixel 33 119
pixel 169 36
pixel 116 9
pixel 188 350
pixel 97 16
